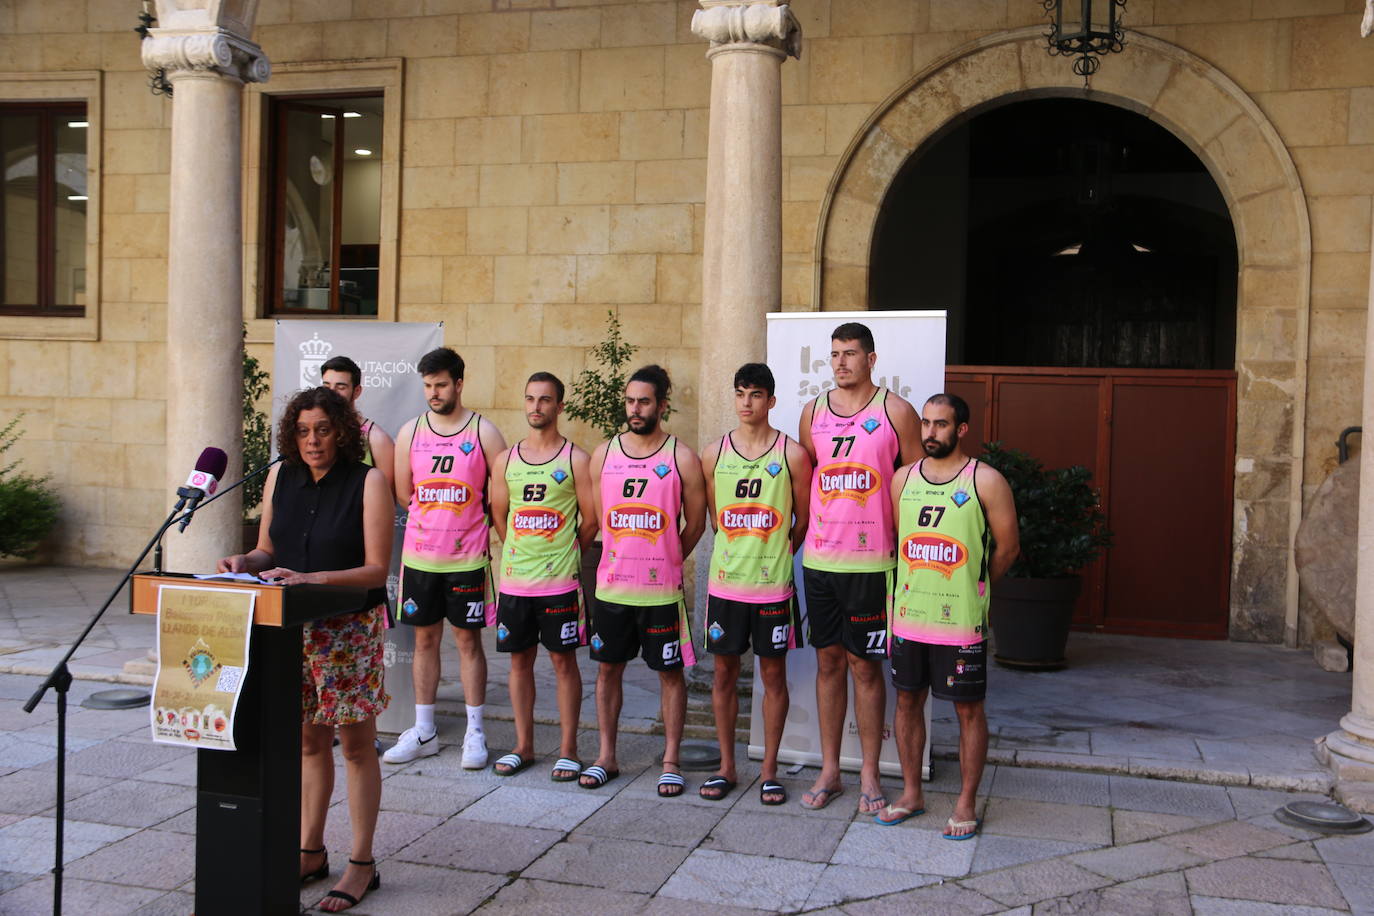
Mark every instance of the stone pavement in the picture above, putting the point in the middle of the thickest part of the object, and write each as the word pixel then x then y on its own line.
pixel 452 841
pixel 1074 821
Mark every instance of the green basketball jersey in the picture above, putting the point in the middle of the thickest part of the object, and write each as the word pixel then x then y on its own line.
pixel 541 556
pixel 941 590
pixel 751 559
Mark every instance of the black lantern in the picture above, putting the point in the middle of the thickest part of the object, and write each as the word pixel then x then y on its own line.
pixel 1085 30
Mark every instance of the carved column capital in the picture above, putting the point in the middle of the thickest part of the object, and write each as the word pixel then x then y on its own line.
pixel 755 23
pixel 205 51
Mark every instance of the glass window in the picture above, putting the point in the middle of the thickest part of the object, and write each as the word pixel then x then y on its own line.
pixel 326 206
pixel 43 209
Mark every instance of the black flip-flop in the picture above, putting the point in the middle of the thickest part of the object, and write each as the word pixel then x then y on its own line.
pixel 566 765
pixel 726 786
pixel 671 785
pixel 598 775
pixel 513 763
pixel 769 787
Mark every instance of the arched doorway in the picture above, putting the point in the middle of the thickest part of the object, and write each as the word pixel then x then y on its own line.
pixel 1240 150
pixel 1073 270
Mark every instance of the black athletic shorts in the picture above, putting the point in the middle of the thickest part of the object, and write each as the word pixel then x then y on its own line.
pixel 955 673
pixel 619 632
pixel 848 608
pixel 772 627
pixel 428 598
pixel 525 620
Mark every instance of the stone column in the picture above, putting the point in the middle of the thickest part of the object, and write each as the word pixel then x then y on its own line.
pixel 1349 750
pixel 742 256
pixel 207 57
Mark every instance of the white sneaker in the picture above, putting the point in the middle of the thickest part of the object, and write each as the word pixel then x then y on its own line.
pixel 410 746
pixel 474 750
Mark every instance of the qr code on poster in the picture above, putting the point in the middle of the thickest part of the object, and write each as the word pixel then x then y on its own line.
pixel 229 678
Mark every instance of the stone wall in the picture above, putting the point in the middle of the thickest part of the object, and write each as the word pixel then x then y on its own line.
pixel 552 167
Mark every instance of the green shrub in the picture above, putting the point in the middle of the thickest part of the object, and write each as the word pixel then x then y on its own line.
pixel 1062 526
pixel 28 506
pixel 598 396
pixel 257 432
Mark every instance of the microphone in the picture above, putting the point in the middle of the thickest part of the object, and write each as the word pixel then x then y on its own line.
pixel 202 481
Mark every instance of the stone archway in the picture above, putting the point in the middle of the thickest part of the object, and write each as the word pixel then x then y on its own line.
pixel 1247 159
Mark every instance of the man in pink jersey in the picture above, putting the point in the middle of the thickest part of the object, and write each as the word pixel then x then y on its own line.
pixel 442 461
pixel 545 515
pixel 949 507
pixel 651 500
pixel 857 434
pixel 379 450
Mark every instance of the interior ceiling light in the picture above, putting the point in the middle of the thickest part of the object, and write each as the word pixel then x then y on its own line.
pixel 362 152
pixel 78 124
pixel 352 114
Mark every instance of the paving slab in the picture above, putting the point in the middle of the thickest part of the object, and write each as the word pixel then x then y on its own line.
pixel 1133 826
pixel 130 803
pixel 529 807
pixel 1137 794
pixel 1051 786
pixel 1299 852
pixel 901 847
pixel 148 858
pixel 395 831
pixel 840 884
pixel 90 898
pixel 1356 884
pixel 1048 820
pixel 1220 906
pixel 524 896
pixel 712 876
pixel 1119 901
pixel 1126 863
pixel 1268 881
pixel 1035 882
pixel 1226 840
pixel 176 903
pixel 768 833
pixel 429 795
pixel 1250 802
pixel 28 845
pixel 420 890
pixel 1346 850
pixel 619 865
pixel 996 852
pixel 652 822
pixel 35 791
pixel 946 899
pixel 480 846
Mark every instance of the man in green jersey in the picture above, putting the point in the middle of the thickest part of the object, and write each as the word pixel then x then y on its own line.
pixel 757 484
pixel 947 507
pixel 542 508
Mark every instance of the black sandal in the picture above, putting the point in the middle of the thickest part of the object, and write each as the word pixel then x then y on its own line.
pixel 322 871
pixel 348 898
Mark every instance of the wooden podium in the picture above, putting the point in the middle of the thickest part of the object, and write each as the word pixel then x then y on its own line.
pixel 248 801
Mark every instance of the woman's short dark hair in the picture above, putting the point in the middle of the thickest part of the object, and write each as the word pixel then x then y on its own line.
pixel 657 376
pixel 341 414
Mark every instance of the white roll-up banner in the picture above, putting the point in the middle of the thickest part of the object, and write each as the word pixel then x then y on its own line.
pixel 911 362
pixel 393 392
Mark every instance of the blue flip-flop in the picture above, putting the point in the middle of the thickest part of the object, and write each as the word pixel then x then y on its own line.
pixel 903 814
pixel 951 824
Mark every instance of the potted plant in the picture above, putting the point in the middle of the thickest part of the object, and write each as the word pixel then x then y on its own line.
pixel 28 505
pixel 1062 530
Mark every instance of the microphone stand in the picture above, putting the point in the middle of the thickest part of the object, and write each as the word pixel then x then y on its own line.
pixel 60 679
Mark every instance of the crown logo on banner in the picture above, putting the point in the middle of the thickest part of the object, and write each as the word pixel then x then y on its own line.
pixel 313 353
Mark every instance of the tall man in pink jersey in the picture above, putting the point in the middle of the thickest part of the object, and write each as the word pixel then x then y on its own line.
pixel 443 458
pixel 651 499
pixel 857 435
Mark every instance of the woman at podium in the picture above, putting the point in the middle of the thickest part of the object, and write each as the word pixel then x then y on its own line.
pixel 326 520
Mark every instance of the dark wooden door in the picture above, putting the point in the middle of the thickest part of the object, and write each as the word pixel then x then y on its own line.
pixel 1160 445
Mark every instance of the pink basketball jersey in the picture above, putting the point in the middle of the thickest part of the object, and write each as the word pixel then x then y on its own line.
pixel 641 499
pixel 851 504
pixel 447 530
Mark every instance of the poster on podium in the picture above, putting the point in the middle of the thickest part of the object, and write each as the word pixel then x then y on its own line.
pixel 911 363
pixel 202 652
